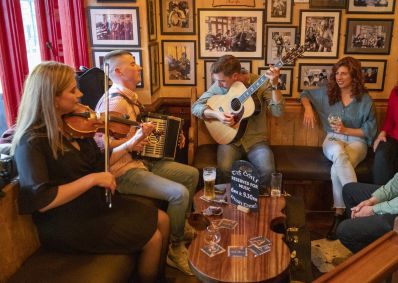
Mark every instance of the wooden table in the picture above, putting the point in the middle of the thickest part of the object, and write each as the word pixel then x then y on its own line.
pixel 272 266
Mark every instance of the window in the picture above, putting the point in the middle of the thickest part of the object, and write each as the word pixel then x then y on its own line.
pixel 30 31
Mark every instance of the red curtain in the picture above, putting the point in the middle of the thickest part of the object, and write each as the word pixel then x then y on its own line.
pixel 13 60
pixel 49 30
pixel 74 35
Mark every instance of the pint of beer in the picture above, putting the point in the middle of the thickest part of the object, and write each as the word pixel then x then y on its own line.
pixel 209 178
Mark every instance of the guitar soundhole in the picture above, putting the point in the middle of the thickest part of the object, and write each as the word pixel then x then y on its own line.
pixel 235 104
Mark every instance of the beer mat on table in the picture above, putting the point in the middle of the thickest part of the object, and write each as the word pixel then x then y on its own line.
pixel 218 199
pixel 209 252
pixel 213 210
pixel 237 251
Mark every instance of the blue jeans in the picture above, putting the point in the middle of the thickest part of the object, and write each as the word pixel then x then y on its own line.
pixel 167 180
pixel 385 164
pixel 346 152
pixel 260 155
pixel 357 233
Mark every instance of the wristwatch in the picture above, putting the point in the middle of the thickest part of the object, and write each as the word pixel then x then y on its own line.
pixel 275 87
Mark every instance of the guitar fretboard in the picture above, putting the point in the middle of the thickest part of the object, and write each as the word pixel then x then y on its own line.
pixel 257 84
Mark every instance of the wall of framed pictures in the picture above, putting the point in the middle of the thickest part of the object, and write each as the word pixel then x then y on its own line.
pixel 330 30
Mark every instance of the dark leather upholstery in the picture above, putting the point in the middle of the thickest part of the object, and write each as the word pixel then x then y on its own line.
pixel 48 267
pixel 295 162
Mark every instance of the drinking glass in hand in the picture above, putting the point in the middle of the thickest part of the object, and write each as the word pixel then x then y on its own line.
pixel 209 178
pixel 334 119
pixel 212 237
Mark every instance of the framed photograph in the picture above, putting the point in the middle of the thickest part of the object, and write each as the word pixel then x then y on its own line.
pixel 285 80
pixel 236 32
pixel 319 32
pixel 98 60
pixel 209 79
pixel 179 62
pixel 279 40
pixel 327 4
pixel 154 66
pixel 313 75
pixel 152 27
pixel 374 73
pixel 177 16
pixel 279 11
pixel 368 36
pixel 370 7
pixel 246 3
pixel 114 26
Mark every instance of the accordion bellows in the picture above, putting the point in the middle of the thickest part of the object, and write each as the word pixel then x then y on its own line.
pixel 162 146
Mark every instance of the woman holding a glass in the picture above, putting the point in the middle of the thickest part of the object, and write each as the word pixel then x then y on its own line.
pixel 347 115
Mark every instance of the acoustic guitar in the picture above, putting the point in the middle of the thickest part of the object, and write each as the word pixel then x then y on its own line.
pixel 239 102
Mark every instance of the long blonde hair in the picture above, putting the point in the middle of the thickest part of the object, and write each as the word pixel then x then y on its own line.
pixel 37 109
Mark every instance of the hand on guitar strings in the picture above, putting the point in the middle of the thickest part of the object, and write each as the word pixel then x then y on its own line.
pixel 273 75
pixel 227 118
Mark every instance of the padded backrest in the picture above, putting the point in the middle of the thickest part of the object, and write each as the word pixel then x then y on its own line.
pixel 18 237
pixel 91 84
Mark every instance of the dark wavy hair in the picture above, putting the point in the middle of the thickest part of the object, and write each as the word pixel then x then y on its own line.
pixel 358 86
pixel 227 64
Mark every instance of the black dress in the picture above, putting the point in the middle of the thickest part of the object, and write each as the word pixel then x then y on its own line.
pixel 84 224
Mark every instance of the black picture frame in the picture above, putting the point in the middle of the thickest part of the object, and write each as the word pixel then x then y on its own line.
pixel 285 80
pixel 327 4
pixel 151 16
pixel 374 72
pixel 98 56
pixel 105 26
pixel 368 36
pixel 175 69
pixel 177 19
pixel 245 25
pixel 276 47
pixel 315 22
pixel 313 75
pixel 361 7
pixel 280 12
pixel 154 68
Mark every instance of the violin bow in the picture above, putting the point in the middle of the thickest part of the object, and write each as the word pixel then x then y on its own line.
pixel 108 193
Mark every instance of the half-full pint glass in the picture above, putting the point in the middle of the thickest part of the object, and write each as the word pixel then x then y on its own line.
pixel 209 178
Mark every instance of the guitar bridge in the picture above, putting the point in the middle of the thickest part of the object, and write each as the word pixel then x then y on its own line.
pixel 220 109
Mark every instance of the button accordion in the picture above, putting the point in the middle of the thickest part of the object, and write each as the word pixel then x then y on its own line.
pixel 162 146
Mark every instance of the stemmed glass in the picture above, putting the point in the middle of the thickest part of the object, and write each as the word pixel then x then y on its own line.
pixel 334 119
pixel 212 237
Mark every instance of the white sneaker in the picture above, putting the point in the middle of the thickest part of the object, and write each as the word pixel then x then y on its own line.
pixel 177 257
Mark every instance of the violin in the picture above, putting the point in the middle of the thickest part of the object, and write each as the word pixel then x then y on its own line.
pixel 85 122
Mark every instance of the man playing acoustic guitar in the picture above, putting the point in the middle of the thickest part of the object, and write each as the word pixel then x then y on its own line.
pixel 250 142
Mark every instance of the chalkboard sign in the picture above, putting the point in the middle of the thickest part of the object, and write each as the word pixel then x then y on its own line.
pixel 244 185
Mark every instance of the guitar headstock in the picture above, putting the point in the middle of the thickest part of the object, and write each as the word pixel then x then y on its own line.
pixel 294 53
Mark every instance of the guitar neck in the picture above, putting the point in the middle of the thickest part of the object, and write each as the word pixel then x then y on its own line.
pixel 257 84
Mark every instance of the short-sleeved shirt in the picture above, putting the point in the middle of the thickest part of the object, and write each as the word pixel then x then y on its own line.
pixel 359 113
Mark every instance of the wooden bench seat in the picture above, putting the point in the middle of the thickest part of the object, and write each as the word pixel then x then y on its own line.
pixel 23 260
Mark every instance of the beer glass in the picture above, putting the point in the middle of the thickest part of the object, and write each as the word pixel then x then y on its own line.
pixel 209 178
pixel 276 184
